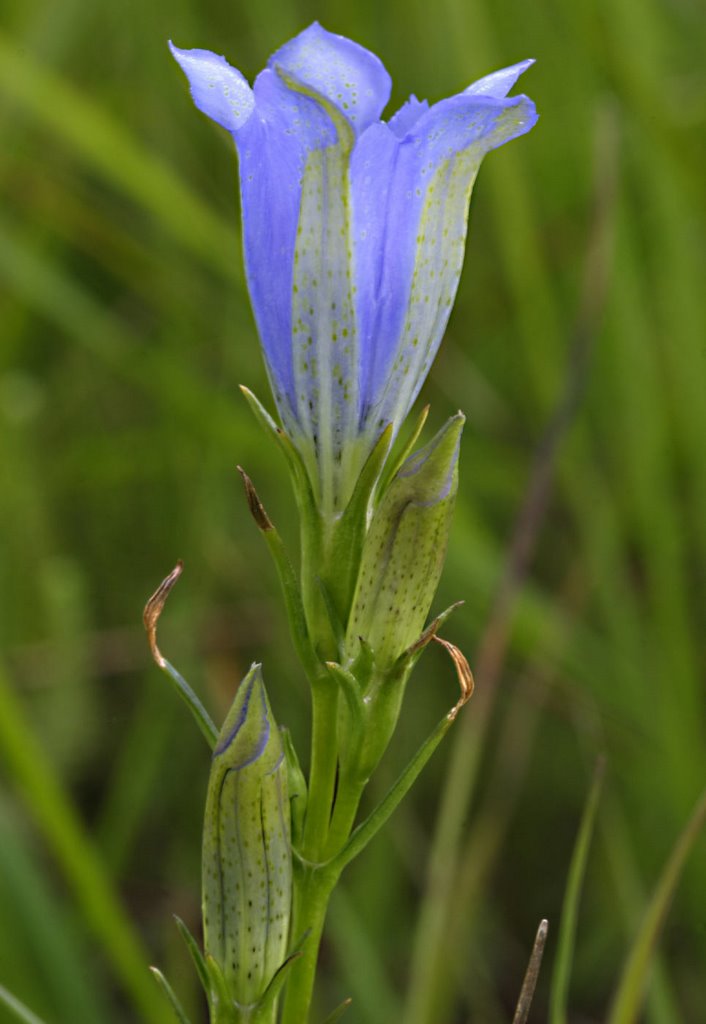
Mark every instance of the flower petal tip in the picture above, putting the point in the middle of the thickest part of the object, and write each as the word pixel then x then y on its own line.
pixel 218 90
pixel 345 73
pixel 499 83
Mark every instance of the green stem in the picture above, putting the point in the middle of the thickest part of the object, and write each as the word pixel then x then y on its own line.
pixel 322 773
pixel 374 822
pixel 314 882
pixel 312 891
pixel 348 799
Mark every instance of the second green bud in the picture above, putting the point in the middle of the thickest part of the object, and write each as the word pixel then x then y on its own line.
pixel 404 550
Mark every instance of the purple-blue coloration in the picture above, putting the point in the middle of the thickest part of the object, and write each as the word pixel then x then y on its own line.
pixel 354 231
pixel 249 751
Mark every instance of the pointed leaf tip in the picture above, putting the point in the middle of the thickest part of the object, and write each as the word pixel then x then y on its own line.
pixel 257 509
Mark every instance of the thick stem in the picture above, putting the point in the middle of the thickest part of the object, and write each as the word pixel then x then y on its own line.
pixel 312 891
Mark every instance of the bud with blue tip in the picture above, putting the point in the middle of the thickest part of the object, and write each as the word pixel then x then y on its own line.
pixel 247 862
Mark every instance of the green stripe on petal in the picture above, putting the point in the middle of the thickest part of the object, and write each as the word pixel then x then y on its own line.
pixel 325 342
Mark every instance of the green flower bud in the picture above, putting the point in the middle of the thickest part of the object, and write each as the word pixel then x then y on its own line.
pixel 404 550
pixel 247 862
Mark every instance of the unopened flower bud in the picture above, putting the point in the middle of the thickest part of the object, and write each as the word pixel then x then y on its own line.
pixel 404 549
pixel 247 865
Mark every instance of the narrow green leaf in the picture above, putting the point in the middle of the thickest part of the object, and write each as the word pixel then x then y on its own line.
pixel 365 484
pixel 295 463
pixel 195 953
pixel 333 617
pixel 288 579
pixel 311 527
pixel 395 462
pixel 19 1009
pixel 558 1002
pixel 631 987
pixel 349 534
pixel 351 724
pixel 373 823
pixel 199 712
pixel 171 996
pixel 264 1010
pixel 296 786
pixel 150 617
pixel 81 123
pixel 351 690
pixel 220 994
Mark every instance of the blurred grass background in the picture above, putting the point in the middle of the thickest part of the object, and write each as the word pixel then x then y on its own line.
pixel 125 330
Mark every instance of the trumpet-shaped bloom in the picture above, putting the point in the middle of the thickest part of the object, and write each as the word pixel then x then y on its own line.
pixel 354 231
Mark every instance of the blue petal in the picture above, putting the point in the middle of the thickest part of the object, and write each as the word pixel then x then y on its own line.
pixel 410 201
pixel 353 230
pixel 346 74
pixel 407 116
pixel 218 90
pixel 384 257
pixel 324 336
pixel 273 148
pixel 498 84
pixel 274 130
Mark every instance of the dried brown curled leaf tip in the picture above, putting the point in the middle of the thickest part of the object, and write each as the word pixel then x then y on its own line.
pixel 463 671
pixel 153 610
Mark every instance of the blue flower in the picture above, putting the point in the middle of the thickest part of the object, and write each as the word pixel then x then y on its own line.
pixel 354 231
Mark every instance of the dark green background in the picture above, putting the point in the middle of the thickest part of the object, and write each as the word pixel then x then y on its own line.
pixel 125 331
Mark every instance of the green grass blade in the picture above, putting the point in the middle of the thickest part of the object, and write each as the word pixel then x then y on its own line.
pixel 40 937
pixel 19 1009
pixel 338 1012
pixel 128 798
pixel 67 839
pixel 106 146
pixel 558 1003
pixel 631 987
pixel 620 844
pixel 364 973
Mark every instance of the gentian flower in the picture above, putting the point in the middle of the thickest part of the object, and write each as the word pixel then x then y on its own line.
pixel 354 231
